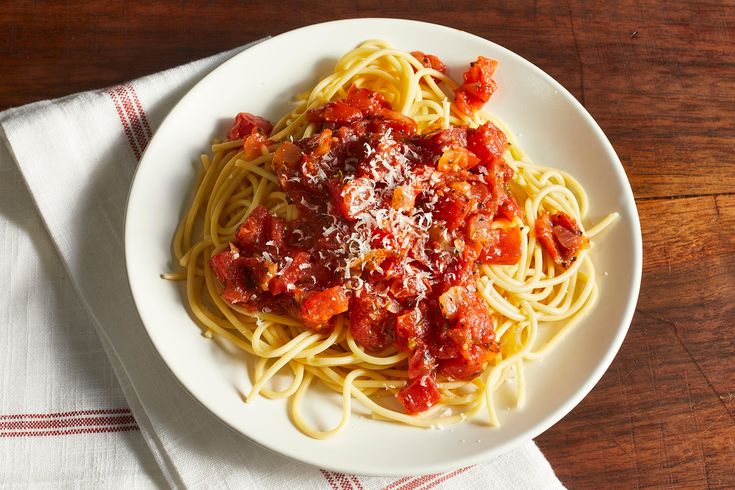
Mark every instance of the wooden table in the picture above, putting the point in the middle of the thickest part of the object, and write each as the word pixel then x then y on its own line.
pixel 659 78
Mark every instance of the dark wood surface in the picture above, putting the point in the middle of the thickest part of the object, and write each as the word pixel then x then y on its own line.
pixel 659 77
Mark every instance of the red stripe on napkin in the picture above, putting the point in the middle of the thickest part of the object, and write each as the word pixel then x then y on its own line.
pixel 67 423
pixel 134 116
pixel 398 482
pixel 418 481
pixel 129 110
pixel 131 90
pixel 103 411
pixel 330 479
pixel 342 479
pixel 86 430
pixel 446 477
pixel 357 483
pixel 112 93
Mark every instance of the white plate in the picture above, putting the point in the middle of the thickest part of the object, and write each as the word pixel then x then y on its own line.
pixel 551 126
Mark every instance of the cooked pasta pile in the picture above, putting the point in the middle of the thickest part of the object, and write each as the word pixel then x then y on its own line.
pixel 523 298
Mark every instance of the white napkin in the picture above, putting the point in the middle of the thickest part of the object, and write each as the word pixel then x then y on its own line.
pixel 77 156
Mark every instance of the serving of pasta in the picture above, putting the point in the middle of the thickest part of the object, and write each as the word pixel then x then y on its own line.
pixel 388 239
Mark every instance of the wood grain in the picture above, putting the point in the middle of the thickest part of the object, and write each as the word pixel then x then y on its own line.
pixel 659 77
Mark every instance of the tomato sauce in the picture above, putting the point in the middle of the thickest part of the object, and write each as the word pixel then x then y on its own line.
pixel 391 229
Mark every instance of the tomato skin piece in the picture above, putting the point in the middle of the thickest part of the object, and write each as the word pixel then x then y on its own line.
pixel 338 112
pixel 470 364
pixel 318 307
pixel 480 228
pixel 356 197
pixel 370 103
pixel 435 143
pixel 288 155
pixel 286 162
pixel 395 121
pixel 550 228
pixel 252 232
pixel 487 142
pixel 419 394
pixel 565 237
pixel 245 123
pixel 503 248
pixel 371 323
pixel 411 327
pixel 286 279
pixel 509 207
pixel 478 86
pixel 234 275
pixel 544 235
pixel 421 362
pixel 254 144
pixel 564 220
pixel 221 262
pixel 452 208
pixel 470 342
pixel 430 61
pixel 455 159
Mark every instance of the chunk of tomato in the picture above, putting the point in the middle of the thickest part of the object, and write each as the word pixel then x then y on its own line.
pixel 338 112
pixel 411 326
pixel 245 123
pixel 468 365
pixel 233 274
pixel 509 207
pixel 286 162
pixel 419 394
pixel 318 307
pixel 254 144
pixel 221 262
pixel 473 336
pixel 503 246
pixel 395 121
pixel 253 231
pixel 357 196
pixel 438 141
pixel 561 237
pixel 371 323
pixel 455 159
pixel 421 362
pixel 285 279
pixel 369 102
pixel 430 61
pixel 478 85
pixel 487 142
pixel 453 207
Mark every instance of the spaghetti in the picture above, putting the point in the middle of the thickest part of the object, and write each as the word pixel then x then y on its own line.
pixel 242 286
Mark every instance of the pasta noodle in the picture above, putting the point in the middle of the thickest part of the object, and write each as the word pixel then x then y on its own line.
pixel 524 298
